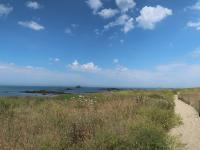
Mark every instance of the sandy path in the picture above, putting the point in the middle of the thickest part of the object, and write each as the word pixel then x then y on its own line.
pixel 189 132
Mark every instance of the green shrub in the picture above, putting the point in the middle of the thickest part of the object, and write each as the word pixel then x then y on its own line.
pixel 108 141
pixel 149 137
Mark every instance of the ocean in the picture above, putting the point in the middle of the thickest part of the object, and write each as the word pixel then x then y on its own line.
pixel 21 90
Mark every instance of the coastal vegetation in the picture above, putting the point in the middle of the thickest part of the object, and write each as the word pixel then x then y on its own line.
pixel 191 96
pixel 114 120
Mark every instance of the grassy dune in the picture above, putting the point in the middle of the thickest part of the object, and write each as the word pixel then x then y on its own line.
pixel 104 121
pixel 191 97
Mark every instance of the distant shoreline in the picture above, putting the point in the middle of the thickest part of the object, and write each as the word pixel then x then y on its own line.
pixel 49 91
pixel 56 90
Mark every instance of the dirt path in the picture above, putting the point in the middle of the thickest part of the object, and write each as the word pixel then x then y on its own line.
pixel 189 132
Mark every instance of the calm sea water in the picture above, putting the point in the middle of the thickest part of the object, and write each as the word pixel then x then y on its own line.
pixel 20 90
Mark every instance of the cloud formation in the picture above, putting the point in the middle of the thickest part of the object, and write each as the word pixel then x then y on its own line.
pixel 125 21
pixel 149 16
pixel 33 5
pixel 31 25
pixel 167 75
pixel 95 5
pixel 108 13
pixel 88 67
pixel 125 5
pixel 196 6
pixel 12 74
pixel 5 10
pixel 195 25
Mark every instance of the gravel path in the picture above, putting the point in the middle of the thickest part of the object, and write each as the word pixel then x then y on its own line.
pixel 189 131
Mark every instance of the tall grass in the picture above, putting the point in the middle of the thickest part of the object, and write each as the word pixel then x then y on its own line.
pixel 105 121
pixel 191 97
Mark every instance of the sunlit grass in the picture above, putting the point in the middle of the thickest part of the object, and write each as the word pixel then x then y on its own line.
pixel 112 120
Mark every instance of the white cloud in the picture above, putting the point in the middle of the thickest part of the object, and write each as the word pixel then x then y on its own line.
pixel 30 75
pixel 195 25
pixel 33 5
pixel 125 21
pixel 128 26
pixel 167 75
pixel 108 13
pixel 149 16
pixel 196 6
pixel 88 67
pixel 5 10
pixel 95 5
pixel 31 25
pixel 125 5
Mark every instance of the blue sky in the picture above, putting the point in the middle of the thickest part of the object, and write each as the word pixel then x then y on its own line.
pixel 123 43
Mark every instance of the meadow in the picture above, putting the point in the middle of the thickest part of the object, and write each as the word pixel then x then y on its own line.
pixel 116 120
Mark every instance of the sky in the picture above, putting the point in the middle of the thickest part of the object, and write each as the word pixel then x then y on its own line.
pixel 100 43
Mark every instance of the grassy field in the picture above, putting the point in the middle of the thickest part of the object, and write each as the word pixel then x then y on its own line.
pixel 191 97
pixel 120 120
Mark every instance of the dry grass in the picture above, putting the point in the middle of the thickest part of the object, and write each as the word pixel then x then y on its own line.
pixel 107 121
pixel 191 97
